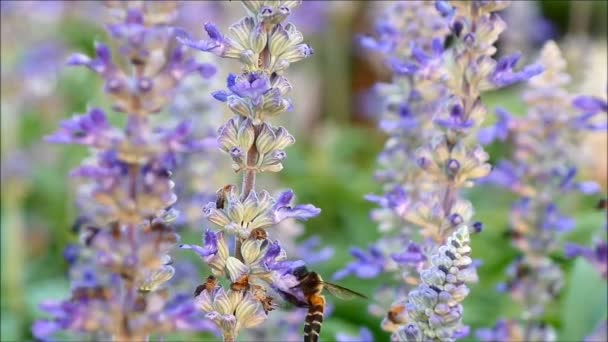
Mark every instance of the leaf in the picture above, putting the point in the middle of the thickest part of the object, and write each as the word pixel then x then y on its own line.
pixel 584 302
pixel 10 327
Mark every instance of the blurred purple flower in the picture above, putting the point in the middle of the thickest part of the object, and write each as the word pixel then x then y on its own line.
pixel 504 75
pixel 412 255
pixel 596 255
pixel 499 131
pixel 364 335
pixel 283 210
pixel 365 266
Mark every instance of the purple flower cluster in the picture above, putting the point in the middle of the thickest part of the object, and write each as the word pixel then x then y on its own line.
pixel 121 269
pixel 246 217
pixel 543 169
pixel 430 111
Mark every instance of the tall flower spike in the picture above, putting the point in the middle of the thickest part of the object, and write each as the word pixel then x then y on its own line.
pixel 265 47
pixel 121 270
pixel 543 167
pixel 431 153
pixel 409 39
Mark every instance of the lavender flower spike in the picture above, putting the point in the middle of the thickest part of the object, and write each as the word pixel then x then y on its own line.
pixel 433 113
pixel 544 167
pixel 121 270
pixel 265 47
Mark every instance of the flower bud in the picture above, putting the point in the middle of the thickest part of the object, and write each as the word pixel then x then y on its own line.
pixel 278 41
pixel 239 106
pixel 249 58
pixel 283 139
pixel 266 139
pixel 258 38
pixel 246 134
pixel 227 137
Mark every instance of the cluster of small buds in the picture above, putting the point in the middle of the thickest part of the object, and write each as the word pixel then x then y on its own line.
pixel 544 168
pixel 265 46
pixel 122 267
pixel 433 310
pixel 237 137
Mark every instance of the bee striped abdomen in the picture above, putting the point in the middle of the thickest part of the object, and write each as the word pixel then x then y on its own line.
pixel 314 318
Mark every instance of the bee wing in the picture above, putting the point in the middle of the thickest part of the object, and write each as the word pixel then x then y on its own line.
pixel 292 299
pixel 342 292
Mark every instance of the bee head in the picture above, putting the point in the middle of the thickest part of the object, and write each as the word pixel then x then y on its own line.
pixel 300 272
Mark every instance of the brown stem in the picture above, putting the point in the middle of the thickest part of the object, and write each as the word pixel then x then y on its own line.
pixel 133 173
pixel 448 199
pixel 248 183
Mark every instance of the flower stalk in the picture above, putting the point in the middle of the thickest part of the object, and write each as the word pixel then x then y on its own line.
pixel 438 108
pixel 543 168
pixel 265 47
pixel 120 270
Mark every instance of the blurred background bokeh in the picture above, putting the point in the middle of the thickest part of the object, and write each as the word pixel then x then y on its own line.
pixel 331 165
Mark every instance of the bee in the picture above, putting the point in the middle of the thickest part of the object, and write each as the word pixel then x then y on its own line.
pixel 208 285
pixel 395 313
pixel 312 285
pixel 258 234
pixel 91 293
pixel 222 195
pixel 241 284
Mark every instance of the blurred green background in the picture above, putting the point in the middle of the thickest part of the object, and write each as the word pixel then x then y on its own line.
pixel 330 166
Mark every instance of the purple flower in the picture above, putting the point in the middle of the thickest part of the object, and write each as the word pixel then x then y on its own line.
pixel 283 210
pixel 499 131
pixel 364 335
pixel 90 129
pixel 183 314
pixel 365 266
pixel 504 75
pixel 508 175
pixel 591 107
pixel 310 252
pixel 590 104
pixel 252 86
pixel 373 44
pixel 43 329
pixel 274 260
pixel 102 64
pixel 395 199
pixel 136 38
pixel 457 119
pixel 568 183
pixel 444 8
pixel 216 44
pixel 71 253
pixel 179 140
pixel 412 255
pixel 554 220
pixel 499 333
pixel 180 65
pixel 596 255
pixel 210 245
